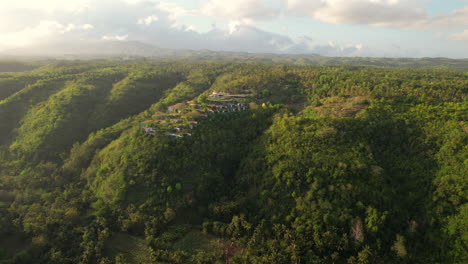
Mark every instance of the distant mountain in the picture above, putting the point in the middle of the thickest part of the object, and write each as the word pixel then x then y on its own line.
pixel 135 50
pixel 119 48
pixel 127 48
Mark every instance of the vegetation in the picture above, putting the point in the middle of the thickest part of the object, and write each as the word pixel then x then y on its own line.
pixel 15 66
pixel 331 164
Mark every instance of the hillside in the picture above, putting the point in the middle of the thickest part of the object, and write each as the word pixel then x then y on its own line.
pixel 138 161
pixel 15 66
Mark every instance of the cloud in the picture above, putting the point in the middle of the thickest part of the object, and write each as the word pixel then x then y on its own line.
pixel 242 11
pixel 159 24
pixel 46 29
pixel 115 37
pixel 174 10
pixel 48 6
pixel 148 20
pixel 87 26
pixel 369 12
pixel 404 14
pixel 461 36
pixel 455 19
pixel 251 39
pixel 334 49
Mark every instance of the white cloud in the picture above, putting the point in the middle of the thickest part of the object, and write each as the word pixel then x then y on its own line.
pixel 121 20
pixel 455 19
pixel 461 36
pixel 242 11
pixel 174 10
pixel 234 26
pixel 191 28
pixel 251 39
pixel 169 25
pixel 48 6
pixel 133 2
pixel 46 29
pixel 405 14
pixel 370 12
pixel 115 37
pixel 87 26
pixel 335 49
pixel 148 20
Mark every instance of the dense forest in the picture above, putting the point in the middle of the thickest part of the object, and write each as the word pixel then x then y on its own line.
pixel 331 164
pixel 140 52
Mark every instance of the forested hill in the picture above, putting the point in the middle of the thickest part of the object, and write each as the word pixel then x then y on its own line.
pixel 15 66
pixel 330 164
pixel 134 50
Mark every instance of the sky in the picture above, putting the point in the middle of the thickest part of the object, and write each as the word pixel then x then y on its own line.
pixel 369 28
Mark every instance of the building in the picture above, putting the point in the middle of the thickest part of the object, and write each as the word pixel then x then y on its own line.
pixel 149 130
pixel 177 108
pixel 218 95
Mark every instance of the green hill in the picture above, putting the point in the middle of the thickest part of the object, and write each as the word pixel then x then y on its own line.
pixel 330 164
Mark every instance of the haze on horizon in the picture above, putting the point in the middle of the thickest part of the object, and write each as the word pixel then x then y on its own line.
pixel 368 28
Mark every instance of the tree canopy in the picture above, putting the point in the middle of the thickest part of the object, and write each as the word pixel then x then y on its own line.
pixel 331 164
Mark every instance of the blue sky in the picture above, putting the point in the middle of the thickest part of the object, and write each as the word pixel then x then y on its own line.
pixel 379 28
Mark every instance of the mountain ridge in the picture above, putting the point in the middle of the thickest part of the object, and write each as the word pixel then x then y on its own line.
pixel 134 50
